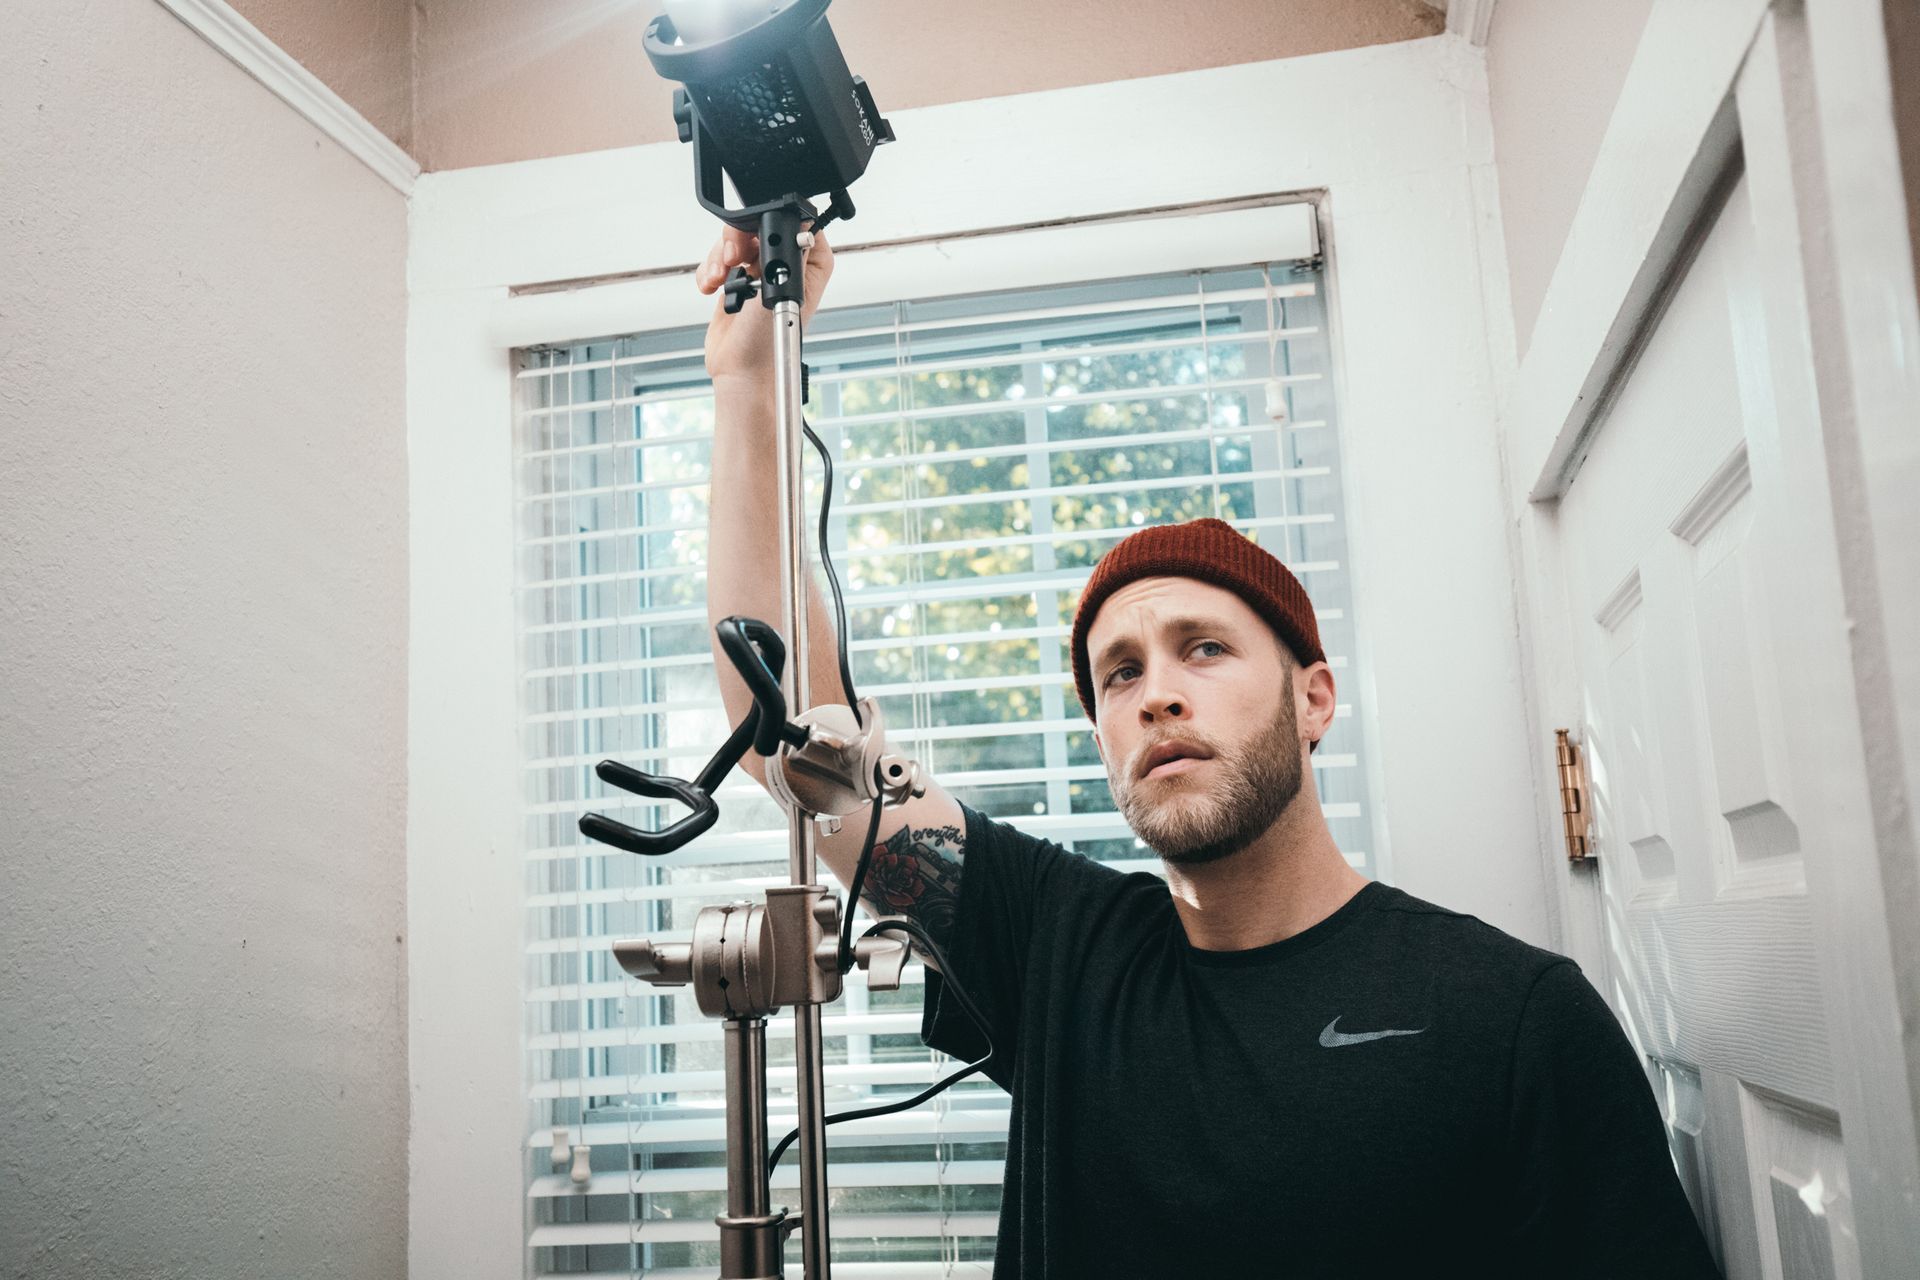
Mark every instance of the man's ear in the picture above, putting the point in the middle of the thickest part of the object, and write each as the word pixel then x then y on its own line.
pixel 1099 746
pixel 1321 701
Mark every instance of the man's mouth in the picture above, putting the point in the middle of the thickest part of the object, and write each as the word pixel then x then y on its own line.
pixel 1169 758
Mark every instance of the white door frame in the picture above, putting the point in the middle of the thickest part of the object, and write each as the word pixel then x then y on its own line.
pixel 1710 77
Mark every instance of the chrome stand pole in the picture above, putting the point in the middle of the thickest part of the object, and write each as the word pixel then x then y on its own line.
pixel 795 571
pixel 751 1237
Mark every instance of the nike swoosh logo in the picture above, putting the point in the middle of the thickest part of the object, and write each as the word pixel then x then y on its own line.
pixel 1334 1039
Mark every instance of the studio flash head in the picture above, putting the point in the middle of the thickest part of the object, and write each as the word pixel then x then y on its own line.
pixel 767 98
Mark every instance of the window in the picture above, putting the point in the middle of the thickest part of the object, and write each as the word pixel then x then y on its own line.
pixel 988 449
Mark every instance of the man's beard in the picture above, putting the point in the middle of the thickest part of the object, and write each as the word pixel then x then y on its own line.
pixel 1189 821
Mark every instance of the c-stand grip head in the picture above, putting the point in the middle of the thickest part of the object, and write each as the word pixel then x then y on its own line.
pixel 749 959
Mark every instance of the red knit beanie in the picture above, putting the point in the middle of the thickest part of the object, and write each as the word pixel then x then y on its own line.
pixel 1209 551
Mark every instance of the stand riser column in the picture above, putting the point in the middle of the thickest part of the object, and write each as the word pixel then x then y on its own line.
pixel 795 579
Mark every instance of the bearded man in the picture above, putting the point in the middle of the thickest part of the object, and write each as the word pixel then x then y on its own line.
pixel 1263 1064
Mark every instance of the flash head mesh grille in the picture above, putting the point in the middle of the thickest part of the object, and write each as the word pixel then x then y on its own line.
pixel 760 113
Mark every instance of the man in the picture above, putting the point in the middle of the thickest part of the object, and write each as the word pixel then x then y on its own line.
pixel 1264 1065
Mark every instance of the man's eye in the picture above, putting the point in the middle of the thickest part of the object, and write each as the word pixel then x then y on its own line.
pixel 1116 673
pixel 1211 644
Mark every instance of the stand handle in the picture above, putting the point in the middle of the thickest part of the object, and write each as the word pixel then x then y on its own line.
pixel 757 652
pixel 653 844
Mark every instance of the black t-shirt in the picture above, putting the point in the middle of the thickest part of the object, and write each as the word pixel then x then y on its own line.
pixel 1400 1090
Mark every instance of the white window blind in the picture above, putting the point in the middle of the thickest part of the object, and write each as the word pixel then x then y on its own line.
pixel 988 449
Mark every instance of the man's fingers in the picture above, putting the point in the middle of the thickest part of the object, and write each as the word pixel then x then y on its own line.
pixel 819 269
pixel 729 251
pixel 736 247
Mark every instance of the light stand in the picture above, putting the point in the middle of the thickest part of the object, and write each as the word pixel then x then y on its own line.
pixel 772 105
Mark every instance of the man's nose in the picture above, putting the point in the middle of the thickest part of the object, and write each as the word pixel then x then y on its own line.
pixel 1163 699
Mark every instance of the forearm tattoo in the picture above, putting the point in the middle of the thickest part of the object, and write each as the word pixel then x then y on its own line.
pixel 916 873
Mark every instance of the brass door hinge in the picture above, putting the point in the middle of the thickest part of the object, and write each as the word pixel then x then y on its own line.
pixel 1573 797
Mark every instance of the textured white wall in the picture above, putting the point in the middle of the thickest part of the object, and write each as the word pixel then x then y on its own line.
pixel 361 49
pixel 203 607
pixel 1554 72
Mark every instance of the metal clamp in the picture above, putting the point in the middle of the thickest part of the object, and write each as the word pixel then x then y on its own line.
pixel 749 959
pixel 834 772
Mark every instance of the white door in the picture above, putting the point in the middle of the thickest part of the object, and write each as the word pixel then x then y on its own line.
pixel 1739 916
pixel 1712 961
pixel 1696 555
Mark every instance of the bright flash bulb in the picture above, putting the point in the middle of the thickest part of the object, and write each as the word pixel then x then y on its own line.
pixel 699 21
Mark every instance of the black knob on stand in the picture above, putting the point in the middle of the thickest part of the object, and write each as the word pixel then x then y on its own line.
pixel 739 287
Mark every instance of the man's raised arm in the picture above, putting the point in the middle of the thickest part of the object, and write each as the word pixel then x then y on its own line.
pixel 916 866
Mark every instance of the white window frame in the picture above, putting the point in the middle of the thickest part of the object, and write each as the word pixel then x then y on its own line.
pixel 1260 299
pixel 1413 301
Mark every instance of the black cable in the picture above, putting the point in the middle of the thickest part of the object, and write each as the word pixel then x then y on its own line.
pixel 860 875
pixel 891 925
pixel 833 579
pixel 912 928
pixel 919 935
pixel 853 702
